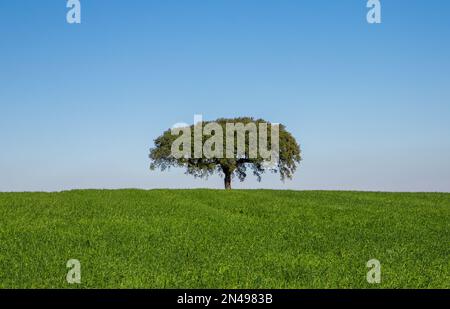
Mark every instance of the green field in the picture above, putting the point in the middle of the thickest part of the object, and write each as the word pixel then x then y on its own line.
pixel 224 239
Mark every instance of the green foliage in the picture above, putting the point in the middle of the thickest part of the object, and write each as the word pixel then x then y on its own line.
pixel 238 166
pixel 218 239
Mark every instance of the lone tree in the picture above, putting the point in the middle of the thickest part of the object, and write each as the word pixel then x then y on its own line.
pixel 206 149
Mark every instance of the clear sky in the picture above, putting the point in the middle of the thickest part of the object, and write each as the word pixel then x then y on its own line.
pixel 81 104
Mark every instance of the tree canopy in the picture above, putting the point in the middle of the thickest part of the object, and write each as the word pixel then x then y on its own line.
pixel 215 134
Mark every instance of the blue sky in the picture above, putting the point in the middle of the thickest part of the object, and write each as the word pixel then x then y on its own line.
pixel 81 104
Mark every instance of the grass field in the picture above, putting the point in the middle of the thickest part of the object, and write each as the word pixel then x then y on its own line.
pixel 219 239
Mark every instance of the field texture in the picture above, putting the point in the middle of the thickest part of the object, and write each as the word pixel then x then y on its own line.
pixel 219 239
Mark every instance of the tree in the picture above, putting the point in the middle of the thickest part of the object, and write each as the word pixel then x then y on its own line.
pixel 236 158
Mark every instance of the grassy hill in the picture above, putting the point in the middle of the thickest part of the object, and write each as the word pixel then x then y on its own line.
pixel 219 239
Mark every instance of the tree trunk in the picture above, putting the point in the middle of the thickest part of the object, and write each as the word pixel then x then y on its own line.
pixel 227 180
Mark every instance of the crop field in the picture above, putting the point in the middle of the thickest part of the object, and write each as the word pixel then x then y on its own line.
pixel 224 239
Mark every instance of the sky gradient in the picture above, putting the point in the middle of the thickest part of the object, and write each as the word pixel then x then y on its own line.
pixel 81 104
